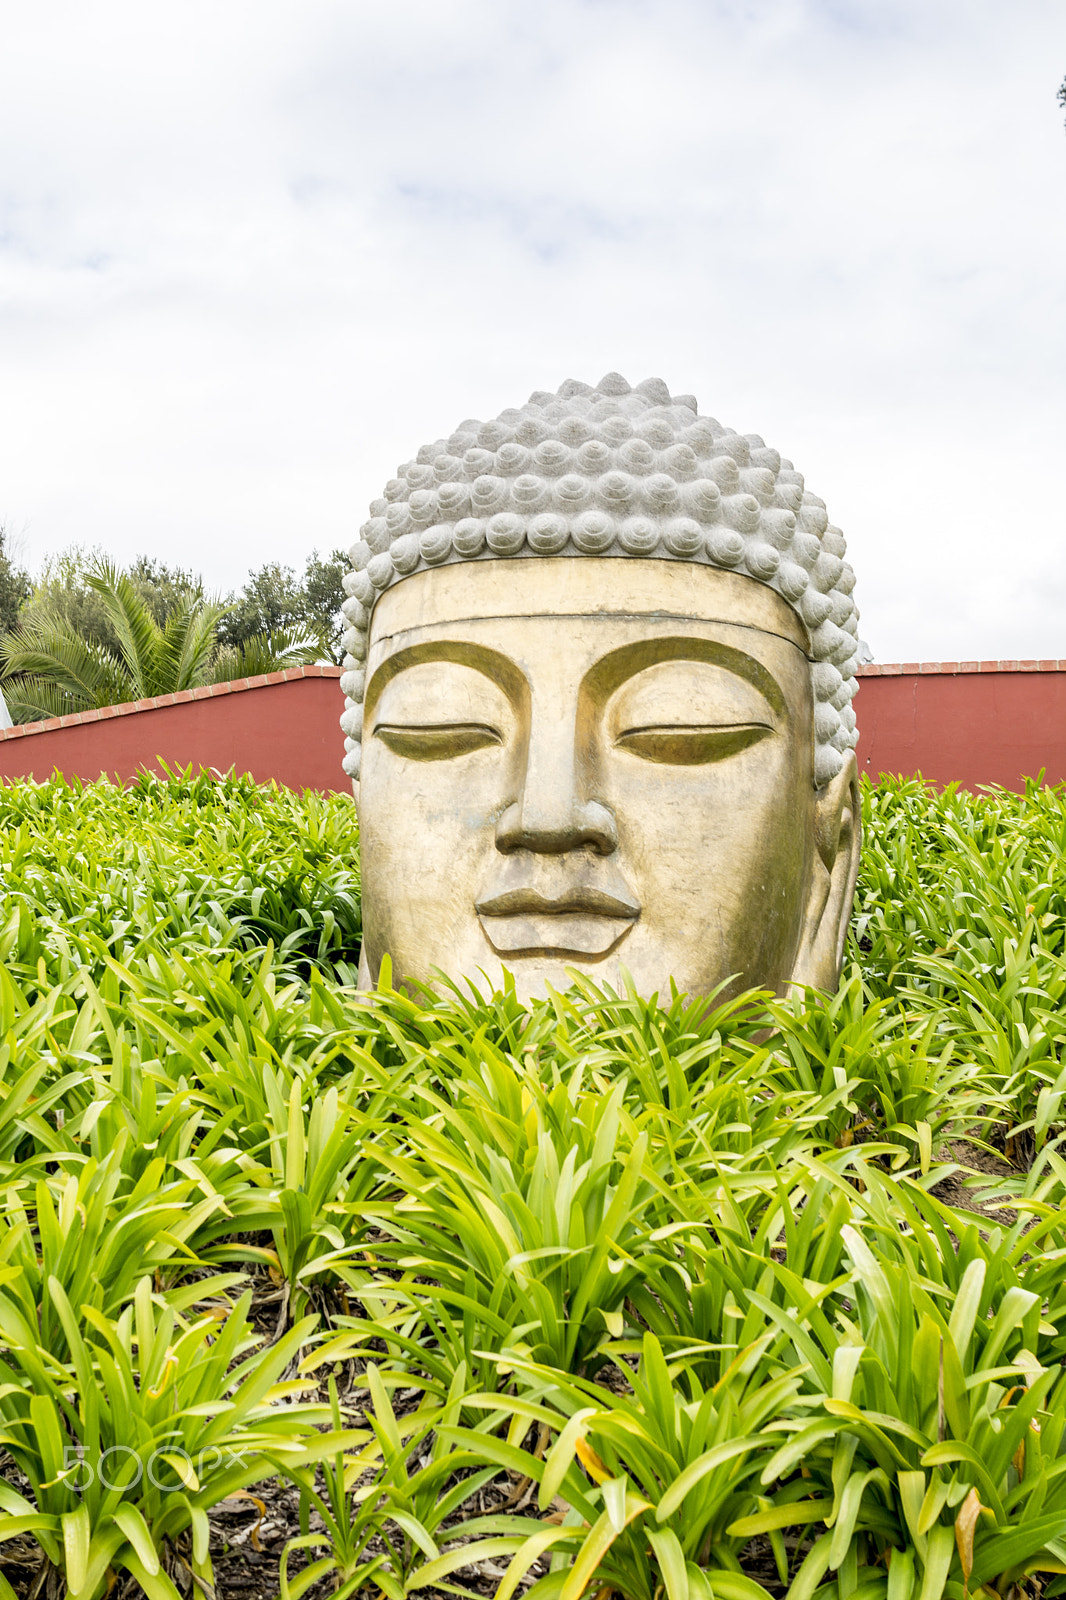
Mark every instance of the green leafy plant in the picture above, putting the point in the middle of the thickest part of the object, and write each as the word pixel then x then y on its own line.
pixel 526 1208
pixel 129 1442
pixel 651 1479
pixel 921 1414
pixel 622 1296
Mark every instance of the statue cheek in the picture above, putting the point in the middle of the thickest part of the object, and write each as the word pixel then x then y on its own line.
pixel 718 857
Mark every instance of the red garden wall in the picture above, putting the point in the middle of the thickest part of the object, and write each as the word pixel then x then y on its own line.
pixel 971 722
pixel 968 722
pixel 281 726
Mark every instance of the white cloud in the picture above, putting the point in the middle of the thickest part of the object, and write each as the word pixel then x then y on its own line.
pixel 251 255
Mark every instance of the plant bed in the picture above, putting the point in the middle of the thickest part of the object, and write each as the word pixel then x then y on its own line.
pixel 311 1292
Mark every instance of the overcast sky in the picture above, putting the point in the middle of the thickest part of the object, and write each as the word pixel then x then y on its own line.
pixel 252 255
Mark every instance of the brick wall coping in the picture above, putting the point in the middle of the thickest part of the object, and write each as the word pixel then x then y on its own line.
pixel 207 692
pixel 909 669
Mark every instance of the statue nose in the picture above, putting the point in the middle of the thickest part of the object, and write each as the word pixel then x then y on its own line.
pixel 554 829
pixel 555 812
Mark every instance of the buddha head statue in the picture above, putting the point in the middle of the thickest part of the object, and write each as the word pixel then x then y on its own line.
pixel 601 657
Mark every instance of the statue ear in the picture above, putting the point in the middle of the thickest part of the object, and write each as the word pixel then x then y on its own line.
pixel 838 839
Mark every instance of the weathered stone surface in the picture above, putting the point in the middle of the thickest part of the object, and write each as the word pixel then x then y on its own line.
pixel 601 660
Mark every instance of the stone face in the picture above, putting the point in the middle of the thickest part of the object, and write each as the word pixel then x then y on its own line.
pixel 600 666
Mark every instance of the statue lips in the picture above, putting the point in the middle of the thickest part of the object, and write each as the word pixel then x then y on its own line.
pixel 579 922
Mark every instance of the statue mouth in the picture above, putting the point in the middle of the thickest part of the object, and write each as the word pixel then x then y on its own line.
pixel 581 924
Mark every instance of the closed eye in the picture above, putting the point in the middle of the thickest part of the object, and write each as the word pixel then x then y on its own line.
pixel 681 746
pixel 437 741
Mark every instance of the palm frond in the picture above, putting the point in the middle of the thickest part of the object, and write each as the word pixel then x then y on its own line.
pixel 84 671
pixel 138 633
pixel 150 660
pixel 266 652
pixel 36 699
pixel 188 640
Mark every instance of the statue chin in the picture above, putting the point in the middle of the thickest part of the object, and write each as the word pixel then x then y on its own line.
pixel 600 766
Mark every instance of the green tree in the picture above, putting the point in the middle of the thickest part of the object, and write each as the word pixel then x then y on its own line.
pixel 324 595
pixel 51 667
pixel 15 585
pixel 162 588
pixel 274 599
pixel 271 600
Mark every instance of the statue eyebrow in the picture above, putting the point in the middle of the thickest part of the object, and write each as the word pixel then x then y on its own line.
pixel 491 664
pixel 613 670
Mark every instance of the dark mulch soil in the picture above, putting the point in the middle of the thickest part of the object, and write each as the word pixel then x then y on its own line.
pixel 248 1537
pixel 966 1191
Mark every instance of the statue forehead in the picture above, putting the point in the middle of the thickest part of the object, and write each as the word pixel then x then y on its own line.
pixel 525 590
